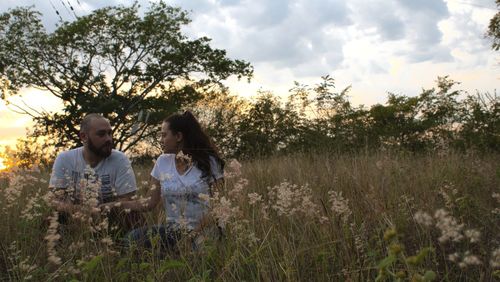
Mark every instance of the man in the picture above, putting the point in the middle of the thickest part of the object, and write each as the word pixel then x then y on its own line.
pixel 95 163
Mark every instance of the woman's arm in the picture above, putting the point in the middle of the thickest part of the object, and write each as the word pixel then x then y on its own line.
pixel 141 205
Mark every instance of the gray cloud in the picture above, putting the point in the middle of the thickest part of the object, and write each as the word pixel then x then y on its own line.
pixel 435 54
pixel 414 22
pixel 378 15
pixel 296 35
pixel 196 6
pixel 434 7
pixel 471 39
pixel 229 2
pixel 260 14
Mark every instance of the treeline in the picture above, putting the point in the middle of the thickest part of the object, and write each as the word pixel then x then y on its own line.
pixel 320 118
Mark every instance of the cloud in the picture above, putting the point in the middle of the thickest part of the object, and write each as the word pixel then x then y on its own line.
pixel 292 34
pixel 301 39
pixel 416 23
pixel 378 16
pixel 434 7
pixel 195 6
pixel 289 34
pixel 255 15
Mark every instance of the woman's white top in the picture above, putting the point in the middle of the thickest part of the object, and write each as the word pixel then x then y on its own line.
pixel 181 192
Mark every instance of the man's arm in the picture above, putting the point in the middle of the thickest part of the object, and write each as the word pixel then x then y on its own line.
pixel 59 183
pixel 125 197
pixel 125 182
pixel 63 203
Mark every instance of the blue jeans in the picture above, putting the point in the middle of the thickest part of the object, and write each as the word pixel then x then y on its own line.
pixel 165 237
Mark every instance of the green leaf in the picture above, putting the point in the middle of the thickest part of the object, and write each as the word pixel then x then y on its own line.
pixel 419 258
pixel 121 263
pixel 388 261
pixel 429 275
pixel 124 276
pixel 382 274
pixel 171 264
pixel 92 264
pixel 144 265
pixel 413 260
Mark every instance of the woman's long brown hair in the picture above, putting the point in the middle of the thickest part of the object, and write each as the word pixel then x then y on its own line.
pixel 196 143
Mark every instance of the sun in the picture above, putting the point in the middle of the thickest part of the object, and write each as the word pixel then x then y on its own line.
pixel 2 164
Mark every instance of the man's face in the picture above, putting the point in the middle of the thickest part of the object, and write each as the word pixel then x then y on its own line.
pixel 99 138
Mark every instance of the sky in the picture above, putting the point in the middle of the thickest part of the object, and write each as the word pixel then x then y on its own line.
pixel 375 46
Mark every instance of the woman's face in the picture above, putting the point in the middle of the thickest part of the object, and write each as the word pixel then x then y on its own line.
pixel 170 142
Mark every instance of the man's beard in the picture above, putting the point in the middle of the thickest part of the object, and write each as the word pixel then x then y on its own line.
pixel 104 151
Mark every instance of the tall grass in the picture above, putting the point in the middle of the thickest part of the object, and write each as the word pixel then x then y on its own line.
pixel 382 216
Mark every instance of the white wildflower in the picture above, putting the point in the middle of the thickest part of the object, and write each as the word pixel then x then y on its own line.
pixel 340 205
pixel 204 197
pixel 450 229
pixel 223 211
pixel 469 260
pixel 473 235
pixel 107 240
pixel 253 198
pixel 453 257
pixel 233 169
pixel 495 258
pixel 238 187
pixel 183 157
pixel 423 218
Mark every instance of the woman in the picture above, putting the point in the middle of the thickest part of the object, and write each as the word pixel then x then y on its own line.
pixel 184 182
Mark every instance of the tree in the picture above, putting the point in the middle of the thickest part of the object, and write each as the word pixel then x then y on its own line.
pixel 220 115
pixel 494 29
pixel 396 124
pixel 480 122
pixel 134 70
pixel 439 112
pixel 264 128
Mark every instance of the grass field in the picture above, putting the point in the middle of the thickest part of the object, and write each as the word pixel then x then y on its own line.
pixel 384 216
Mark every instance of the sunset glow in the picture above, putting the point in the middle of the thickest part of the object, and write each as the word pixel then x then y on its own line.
pixel 2 164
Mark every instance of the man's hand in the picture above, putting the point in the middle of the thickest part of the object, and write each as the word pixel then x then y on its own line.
pixel 107 207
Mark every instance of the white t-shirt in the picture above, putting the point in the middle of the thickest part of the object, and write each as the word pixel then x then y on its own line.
pixel 180 193
pixel 114 172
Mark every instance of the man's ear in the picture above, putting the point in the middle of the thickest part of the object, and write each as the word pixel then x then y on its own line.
pixel 83 136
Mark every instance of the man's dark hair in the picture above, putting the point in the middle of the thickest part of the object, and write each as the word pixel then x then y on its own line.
pixel 85 124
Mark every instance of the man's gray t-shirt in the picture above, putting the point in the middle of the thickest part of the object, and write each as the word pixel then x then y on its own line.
pixel 114 173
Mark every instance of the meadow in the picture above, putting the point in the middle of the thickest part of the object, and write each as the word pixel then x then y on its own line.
pixel 384 216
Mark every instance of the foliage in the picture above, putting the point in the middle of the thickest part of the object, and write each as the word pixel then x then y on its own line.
pixel 319 118
pixel 319 217
pixel 134 70
pixel 220 114
pixel 494 29
pixel 264 127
